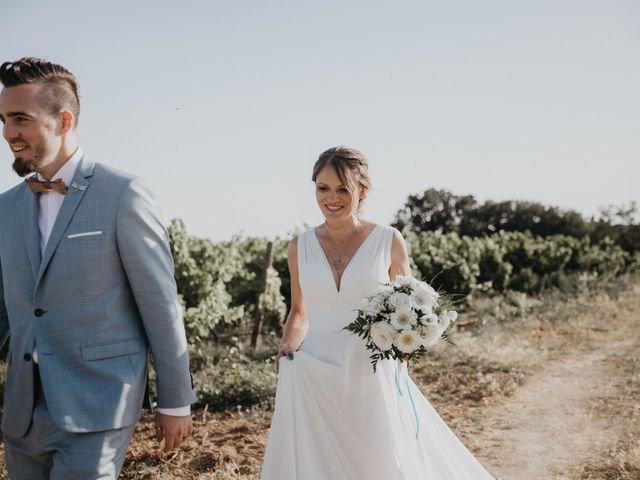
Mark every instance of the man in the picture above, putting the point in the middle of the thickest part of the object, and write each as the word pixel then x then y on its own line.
pixel 86 290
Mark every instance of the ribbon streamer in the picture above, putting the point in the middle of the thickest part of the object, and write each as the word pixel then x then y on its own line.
pixel 413 404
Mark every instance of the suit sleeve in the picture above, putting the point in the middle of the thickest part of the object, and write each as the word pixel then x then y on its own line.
pixel 4 317
pixel 143 244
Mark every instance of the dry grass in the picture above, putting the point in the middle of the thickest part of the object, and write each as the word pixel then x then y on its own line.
pixel 225 446
pixel 622 461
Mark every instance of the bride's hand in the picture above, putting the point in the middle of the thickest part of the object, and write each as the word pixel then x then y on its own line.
pixel 284 351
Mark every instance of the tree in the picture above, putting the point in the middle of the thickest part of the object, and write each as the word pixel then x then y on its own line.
pixel 434 210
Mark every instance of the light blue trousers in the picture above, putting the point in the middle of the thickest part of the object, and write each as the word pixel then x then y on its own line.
pixel 48 453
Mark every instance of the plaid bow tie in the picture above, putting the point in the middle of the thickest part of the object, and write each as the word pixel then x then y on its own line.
pixel 36 186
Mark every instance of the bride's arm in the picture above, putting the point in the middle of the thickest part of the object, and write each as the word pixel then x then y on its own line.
pixel 399 256
pixel 297 323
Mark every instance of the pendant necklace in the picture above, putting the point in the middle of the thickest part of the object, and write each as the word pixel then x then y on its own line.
pixel 338 262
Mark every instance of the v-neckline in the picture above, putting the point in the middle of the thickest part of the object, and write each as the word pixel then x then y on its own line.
pixel 338 286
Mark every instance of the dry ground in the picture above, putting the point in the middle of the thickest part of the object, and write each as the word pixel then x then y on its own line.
pixel 544 390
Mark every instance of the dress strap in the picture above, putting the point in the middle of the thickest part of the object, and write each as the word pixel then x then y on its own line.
pixel 310 256
pixel 302 245
pixel 387 241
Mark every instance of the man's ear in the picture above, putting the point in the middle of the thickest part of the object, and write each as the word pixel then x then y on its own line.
pixel 67 121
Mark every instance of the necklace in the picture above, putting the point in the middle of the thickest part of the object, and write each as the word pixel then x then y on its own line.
pixel 338 262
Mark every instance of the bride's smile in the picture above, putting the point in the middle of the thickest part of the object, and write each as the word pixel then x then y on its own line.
pixel 339 197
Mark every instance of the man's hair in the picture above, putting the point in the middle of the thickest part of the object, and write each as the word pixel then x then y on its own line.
pixel 59 87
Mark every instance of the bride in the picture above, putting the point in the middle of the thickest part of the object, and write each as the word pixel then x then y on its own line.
pixel 334 418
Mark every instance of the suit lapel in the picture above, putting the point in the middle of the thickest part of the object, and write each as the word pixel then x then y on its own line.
pixel 31 230
pixel 71 201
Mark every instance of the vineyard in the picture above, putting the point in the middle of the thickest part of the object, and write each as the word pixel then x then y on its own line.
pixel 235 293
pixel 523 275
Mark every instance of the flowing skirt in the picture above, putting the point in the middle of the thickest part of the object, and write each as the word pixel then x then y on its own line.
pixel 337 420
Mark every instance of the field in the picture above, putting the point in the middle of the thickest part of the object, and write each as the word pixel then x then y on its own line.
pixel 538 388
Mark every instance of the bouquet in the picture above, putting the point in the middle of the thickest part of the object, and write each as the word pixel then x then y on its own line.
pixel 402 320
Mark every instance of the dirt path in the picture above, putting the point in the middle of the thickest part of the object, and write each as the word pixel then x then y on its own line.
pixel 565 415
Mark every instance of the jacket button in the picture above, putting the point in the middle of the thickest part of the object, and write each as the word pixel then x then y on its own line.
pixel 38 312
pixel 27 357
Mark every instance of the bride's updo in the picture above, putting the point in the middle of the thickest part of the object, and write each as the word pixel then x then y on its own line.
pixel 349 163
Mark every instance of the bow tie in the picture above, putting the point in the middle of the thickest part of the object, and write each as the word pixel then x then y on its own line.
pixel 36 186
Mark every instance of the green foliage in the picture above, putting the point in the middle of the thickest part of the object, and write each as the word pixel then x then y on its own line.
pixel 201 271
pixel 231 374
pixel 434 210
pixel 442 210
pixel 494 271
pixel 240 384
pixel 218 283
pixel 446 261
pixel 512 261
pixel 243 285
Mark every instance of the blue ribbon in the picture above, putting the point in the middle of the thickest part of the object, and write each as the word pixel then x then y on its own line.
pixel 397 383
pixel 413 404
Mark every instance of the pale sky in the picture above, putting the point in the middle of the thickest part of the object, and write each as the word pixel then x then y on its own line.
pixel 224 106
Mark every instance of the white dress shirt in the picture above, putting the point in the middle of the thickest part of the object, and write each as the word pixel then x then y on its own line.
pixel 49 203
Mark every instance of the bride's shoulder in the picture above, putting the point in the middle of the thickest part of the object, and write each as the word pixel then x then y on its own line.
pixel 388 229
pixel 298 237
pixel 394 237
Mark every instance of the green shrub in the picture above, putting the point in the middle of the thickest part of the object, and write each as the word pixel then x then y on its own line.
pixel 446 261
pixel 227 386
pixel 230 373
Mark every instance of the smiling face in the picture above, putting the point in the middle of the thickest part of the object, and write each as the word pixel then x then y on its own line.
pixel 334 198
pixel 33 134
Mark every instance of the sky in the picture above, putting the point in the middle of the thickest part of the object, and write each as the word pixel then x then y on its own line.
pixel 224 106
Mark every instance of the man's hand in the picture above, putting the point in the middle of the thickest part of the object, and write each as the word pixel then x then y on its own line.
pixel 172 430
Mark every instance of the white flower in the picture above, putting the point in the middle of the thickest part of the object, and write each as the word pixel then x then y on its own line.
pixel 382 335
pixel 446 318
pixel 408 341
pixel 400 300
pixel 428 318
pixel 402 319
pixel 443 322
pixel 429 334
pixel 371 305
pixel 424 296
pixel 405 281
pixel 386 290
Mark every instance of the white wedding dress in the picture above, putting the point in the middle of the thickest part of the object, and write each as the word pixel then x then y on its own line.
pixel 334 418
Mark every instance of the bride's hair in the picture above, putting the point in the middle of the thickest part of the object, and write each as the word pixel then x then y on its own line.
pixel 349 163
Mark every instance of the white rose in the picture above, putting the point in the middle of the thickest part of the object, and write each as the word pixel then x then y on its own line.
pixel 453 315
pixel 386 290
pixel 424 296
pixel 429 334
pixel 400 300
pixel 382 335
pixel 429 318
pixel 405 281
pixel 408 341
pixel 402 319
pixel 371 305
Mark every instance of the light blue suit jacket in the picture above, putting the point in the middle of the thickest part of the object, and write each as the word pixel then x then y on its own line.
pixel 100 297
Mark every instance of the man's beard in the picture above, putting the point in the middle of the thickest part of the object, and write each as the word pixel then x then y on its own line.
pixel 23 167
